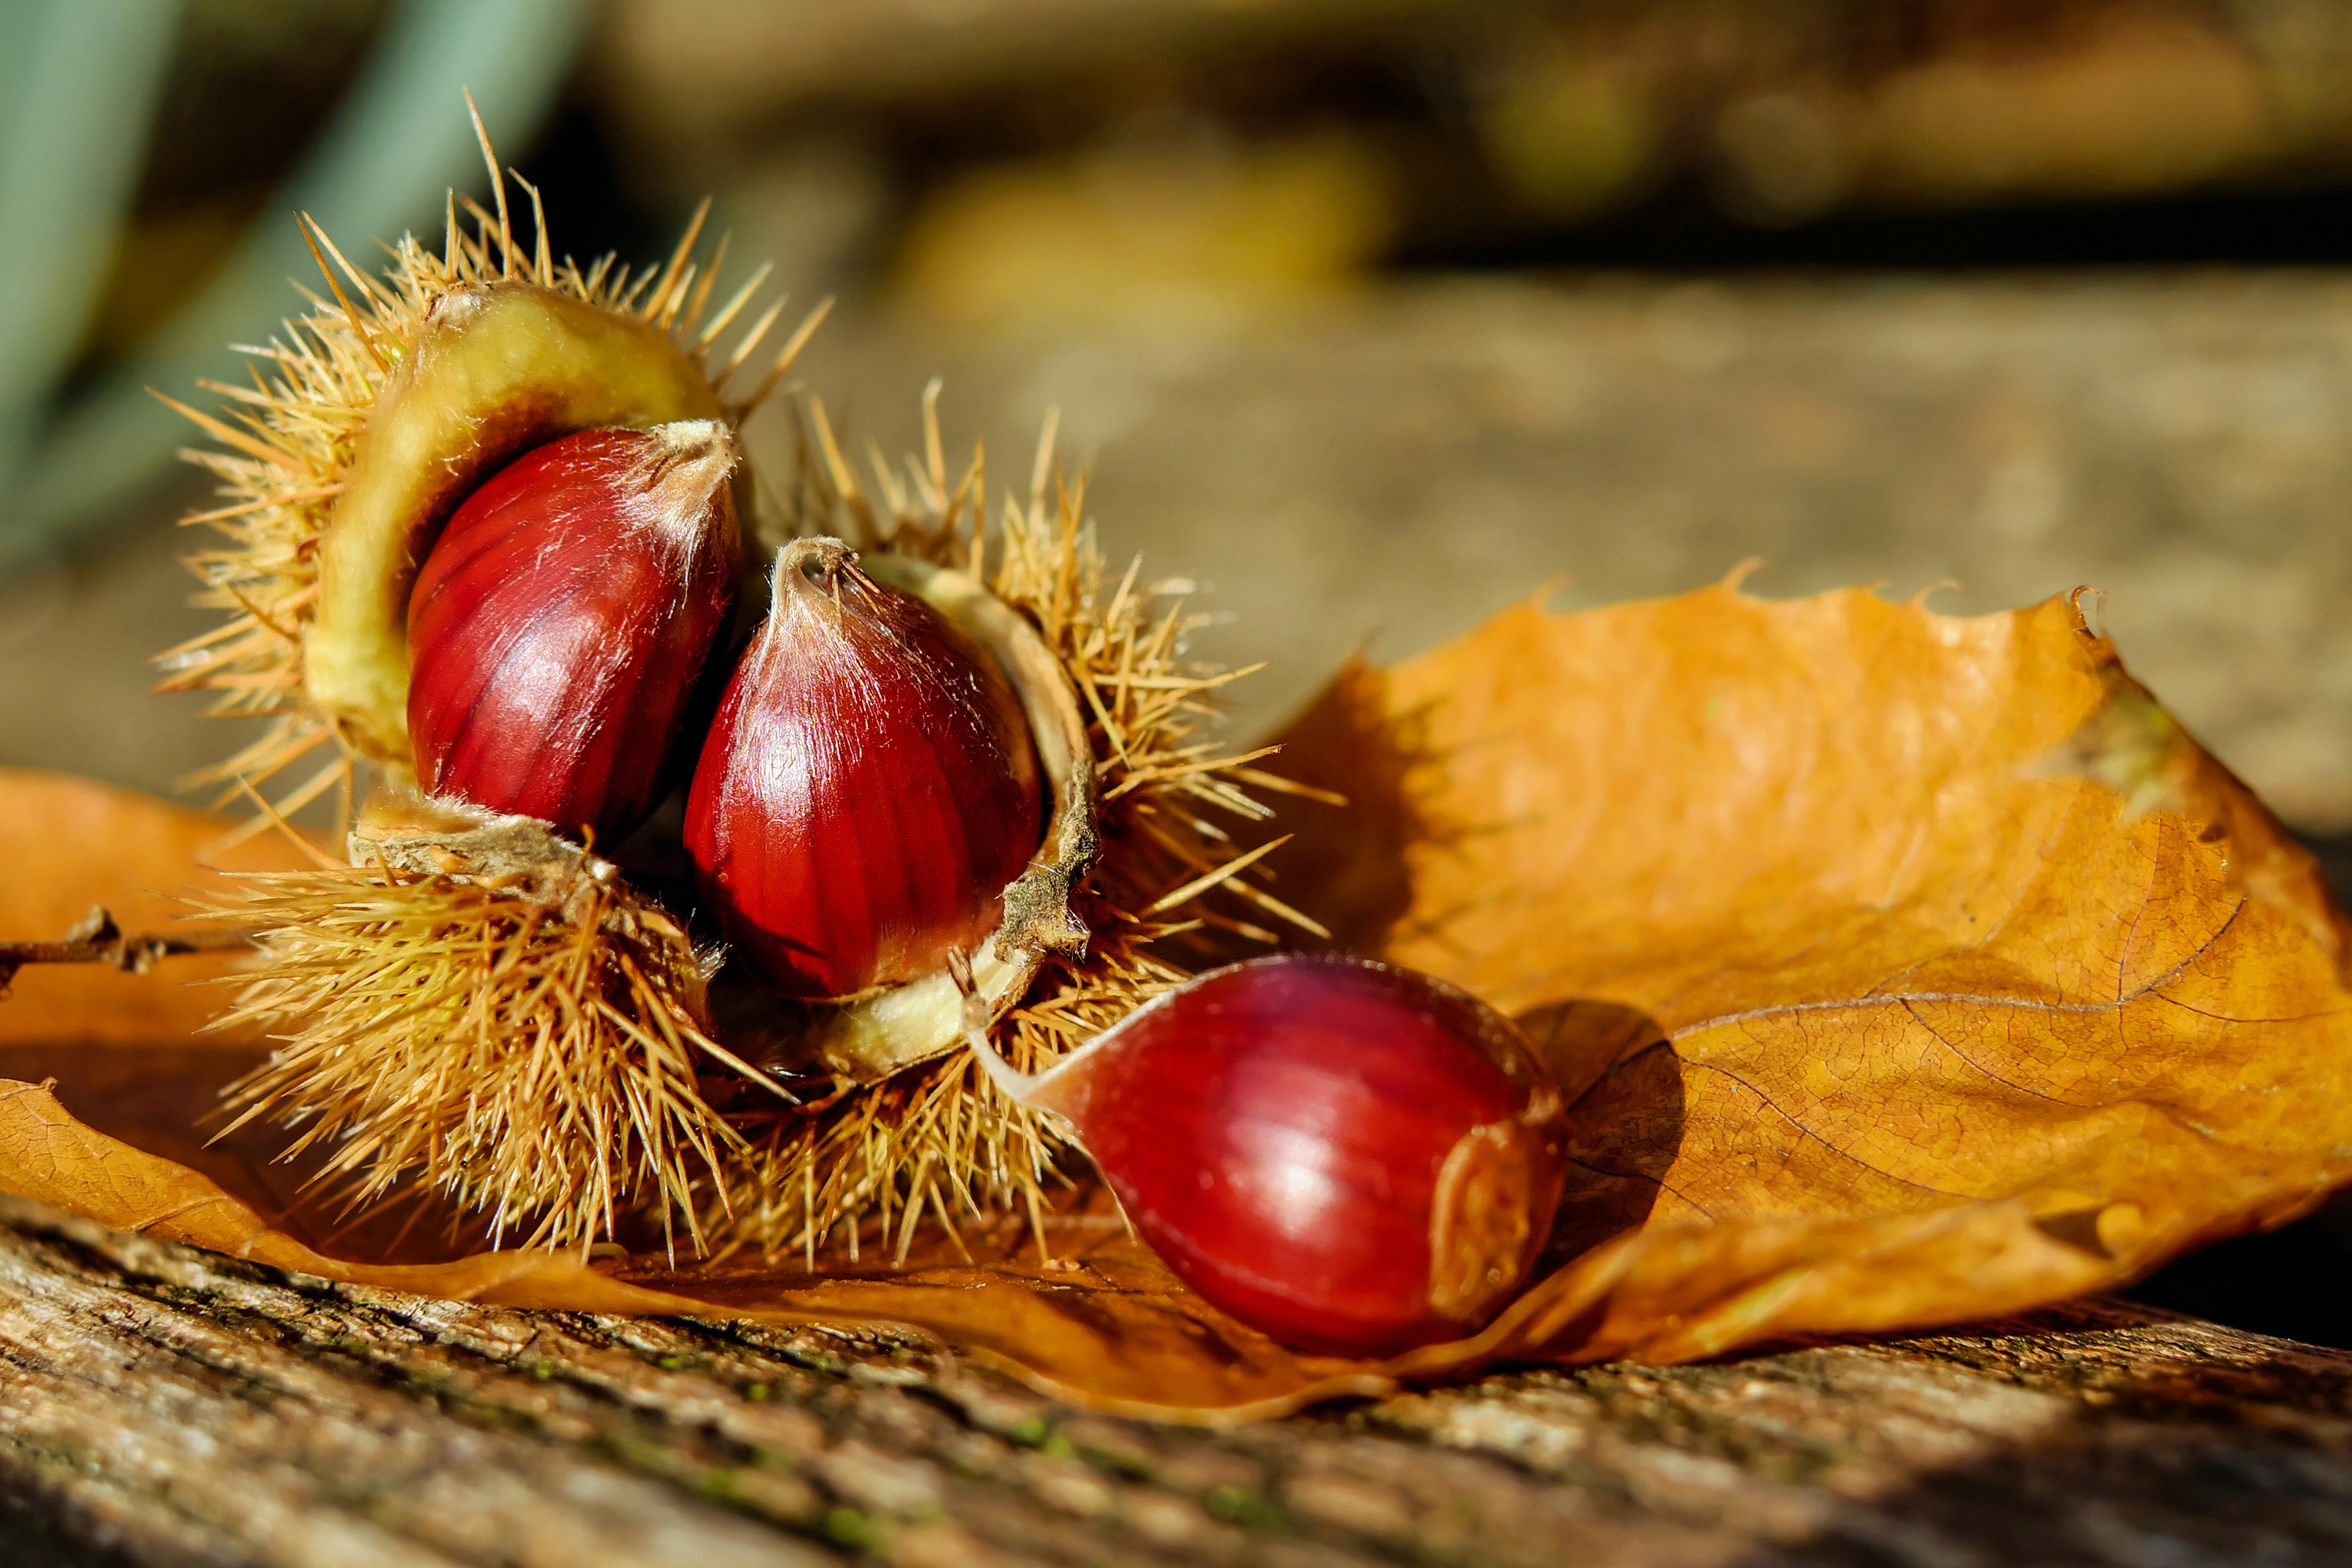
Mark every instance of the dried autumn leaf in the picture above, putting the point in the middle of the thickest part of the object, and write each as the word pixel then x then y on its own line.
pixel 73 846
pixel 1912 968
pixel 1908 969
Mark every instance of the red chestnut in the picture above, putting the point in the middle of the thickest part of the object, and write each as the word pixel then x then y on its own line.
pixel 563 619
pixel 1351 1157
pixel 868 790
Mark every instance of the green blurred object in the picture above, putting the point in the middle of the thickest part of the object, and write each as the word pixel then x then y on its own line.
pixel 78 82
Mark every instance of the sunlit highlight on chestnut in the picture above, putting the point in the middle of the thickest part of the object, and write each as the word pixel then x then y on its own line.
pixel 562 622
pixel 1351 1157
pixel 868 788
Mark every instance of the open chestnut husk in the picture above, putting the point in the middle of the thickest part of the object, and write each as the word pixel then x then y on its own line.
pixel 603 1064
pixel 554 1090
pixel 1130 873
pixel 1351 1157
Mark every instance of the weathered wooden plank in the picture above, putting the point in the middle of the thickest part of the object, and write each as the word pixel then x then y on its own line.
pixel 164 1406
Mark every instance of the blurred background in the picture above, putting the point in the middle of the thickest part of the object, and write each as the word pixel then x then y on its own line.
pixel 1371 316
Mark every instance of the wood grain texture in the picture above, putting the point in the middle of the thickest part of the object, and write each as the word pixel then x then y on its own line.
pixel 161 1406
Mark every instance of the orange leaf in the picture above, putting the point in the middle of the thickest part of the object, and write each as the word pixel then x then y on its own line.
pixel 1907 969
pixel 72 843
pixel 1921 968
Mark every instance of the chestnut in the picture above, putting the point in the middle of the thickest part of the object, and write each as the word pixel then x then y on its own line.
pixel 868 789
pixel 562 621
pixel 1351 1157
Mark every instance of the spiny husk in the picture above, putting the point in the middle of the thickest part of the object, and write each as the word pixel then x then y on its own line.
pixel 538 1065
pixel 293 435
pixel 528 1053
pixel 533 1065
pixel 859 1168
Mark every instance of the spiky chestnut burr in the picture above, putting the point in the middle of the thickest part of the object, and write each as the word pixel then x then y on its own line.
pixel 1351 1157
pixel 868 790
pixel 375 415
pixel 552 1091
pixel 555 1089
pixel 563 619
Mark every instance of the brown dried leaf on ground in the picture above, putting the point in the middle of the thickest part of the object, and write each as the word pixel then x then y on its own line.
pixel 1909 969
pixel 1920 968
pixel 70 845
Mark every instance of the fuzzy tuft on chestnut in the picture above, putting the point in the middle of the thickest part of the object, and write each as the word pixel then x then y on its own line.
pixel 1351 1157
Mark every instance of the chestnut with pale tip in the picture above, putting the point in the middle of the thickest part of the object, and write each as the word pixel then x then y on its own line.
pixel 1350 1157
pixel 868 789
pixel 563 619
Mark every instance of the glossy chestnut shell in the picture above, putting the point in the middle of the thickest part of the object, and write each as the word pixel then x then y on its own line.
pixel 1352 1157
pixel 563 619
pixel 868 787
